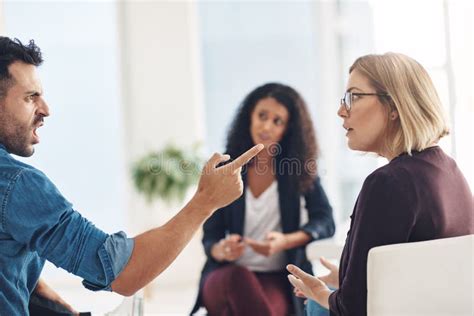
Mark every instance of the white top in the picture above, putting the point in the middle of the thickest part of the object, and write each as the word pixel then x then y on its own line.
pixel 262 215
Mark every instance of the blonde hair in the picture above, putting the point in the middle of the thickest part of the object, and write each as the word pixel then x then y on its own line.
pixel 421 120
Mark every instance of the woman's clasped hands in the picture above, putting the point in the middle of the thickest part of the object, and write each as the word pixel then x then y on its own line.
pixel 232 247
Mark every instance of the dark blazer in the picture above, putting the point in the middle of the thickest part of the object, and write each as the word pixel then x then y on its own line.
pixel 231 218
pixel 413 198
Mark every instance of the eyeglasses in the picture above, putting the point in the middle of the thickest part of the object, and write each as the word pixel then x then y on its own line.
pixel 348 98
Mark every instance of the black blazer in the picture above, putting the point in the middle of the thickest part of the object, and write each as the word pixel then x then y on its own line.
pixel 231 219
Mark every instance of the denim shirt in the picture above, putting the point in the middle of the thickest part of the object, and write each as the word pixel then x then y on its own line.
pixel 36 224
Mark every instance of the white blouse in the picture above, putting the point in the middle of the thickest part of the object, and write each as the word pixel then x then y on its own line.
pixel 262 215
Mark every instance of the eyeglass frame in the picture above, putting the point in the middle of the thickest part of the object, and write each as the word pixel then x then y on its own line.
pixel 349 106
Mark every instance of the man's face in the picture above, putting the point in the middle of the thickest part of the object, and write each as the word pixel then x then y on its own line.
pixel 22 110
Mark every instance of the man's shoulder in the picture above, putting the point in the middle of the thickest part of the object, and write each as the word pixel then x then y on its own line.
pixel 10 168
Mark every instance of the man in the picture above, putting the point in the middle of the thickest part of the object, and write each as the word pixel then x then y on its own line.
pixel 37 223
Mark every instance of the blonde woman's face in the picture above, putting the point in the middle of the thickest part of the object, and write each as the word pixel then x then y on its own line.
pixel 366 121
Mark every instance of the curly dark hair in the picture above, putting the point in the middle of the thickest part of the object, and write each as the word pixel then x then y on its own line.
pixel 12 51
pixel 298 145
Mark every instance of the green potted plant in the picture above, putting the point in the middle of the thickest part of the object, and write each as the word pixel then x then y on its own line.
pixel 167 174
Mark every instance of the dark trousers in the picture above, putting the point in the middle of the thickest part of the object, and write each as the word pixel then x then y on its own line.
pixel 234 291
pixel 40 306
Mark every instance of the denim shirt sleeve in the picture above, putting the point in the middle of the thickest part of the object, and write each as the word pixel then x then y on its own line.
pixel 37 215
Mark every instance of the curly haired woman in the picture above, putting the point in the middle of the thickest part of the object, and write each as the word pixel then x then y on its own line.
pixel 249 243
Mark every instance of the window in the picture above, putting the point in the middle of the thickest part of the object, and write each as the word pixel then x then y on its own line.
pixel 310 45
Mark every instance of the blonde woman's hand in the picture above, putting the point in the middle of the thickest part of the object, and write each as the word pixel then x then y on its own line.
pixel 308 286
pixel 331 279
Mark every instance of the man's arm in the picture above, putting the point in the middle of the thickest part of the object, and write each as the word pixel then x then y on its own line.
pixel 154 250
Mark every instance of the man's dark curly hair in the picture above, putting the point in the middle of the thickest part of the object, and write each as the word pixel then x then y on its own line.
pixel 12 51
pixel 298 145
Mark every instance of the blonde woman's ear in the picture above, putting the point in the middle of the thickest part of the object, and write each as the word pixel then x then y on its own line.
pixel 393 115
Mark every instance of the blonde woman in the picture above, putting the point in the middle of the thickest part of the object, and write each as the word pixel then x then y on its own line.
pixel 391 108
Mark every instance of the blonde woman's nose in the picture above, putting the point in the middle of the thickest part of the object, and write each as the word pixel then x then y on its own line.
pixel 342 112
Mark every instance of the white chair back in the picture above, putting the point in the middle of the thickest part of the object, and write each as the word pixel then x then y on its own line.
pixel 422 278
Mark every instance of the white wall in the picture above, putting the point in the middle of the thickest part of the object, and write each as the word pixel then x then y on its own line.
pixel 247 44
pixel 2 26
pixel 162 102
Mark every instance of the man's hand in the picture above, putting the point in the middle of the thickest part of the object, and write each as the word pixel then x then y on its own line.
pixel 219 186
pixel 229 249
pixel 45 291
pixel 308 286
pixel 156 249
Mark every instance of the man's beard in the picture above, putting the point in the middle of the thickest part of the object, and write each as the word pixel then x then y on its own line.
pixel 17 138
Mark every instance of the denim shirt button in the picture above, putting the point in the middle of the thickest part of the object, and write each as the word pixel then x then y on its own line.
pixel 100 278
